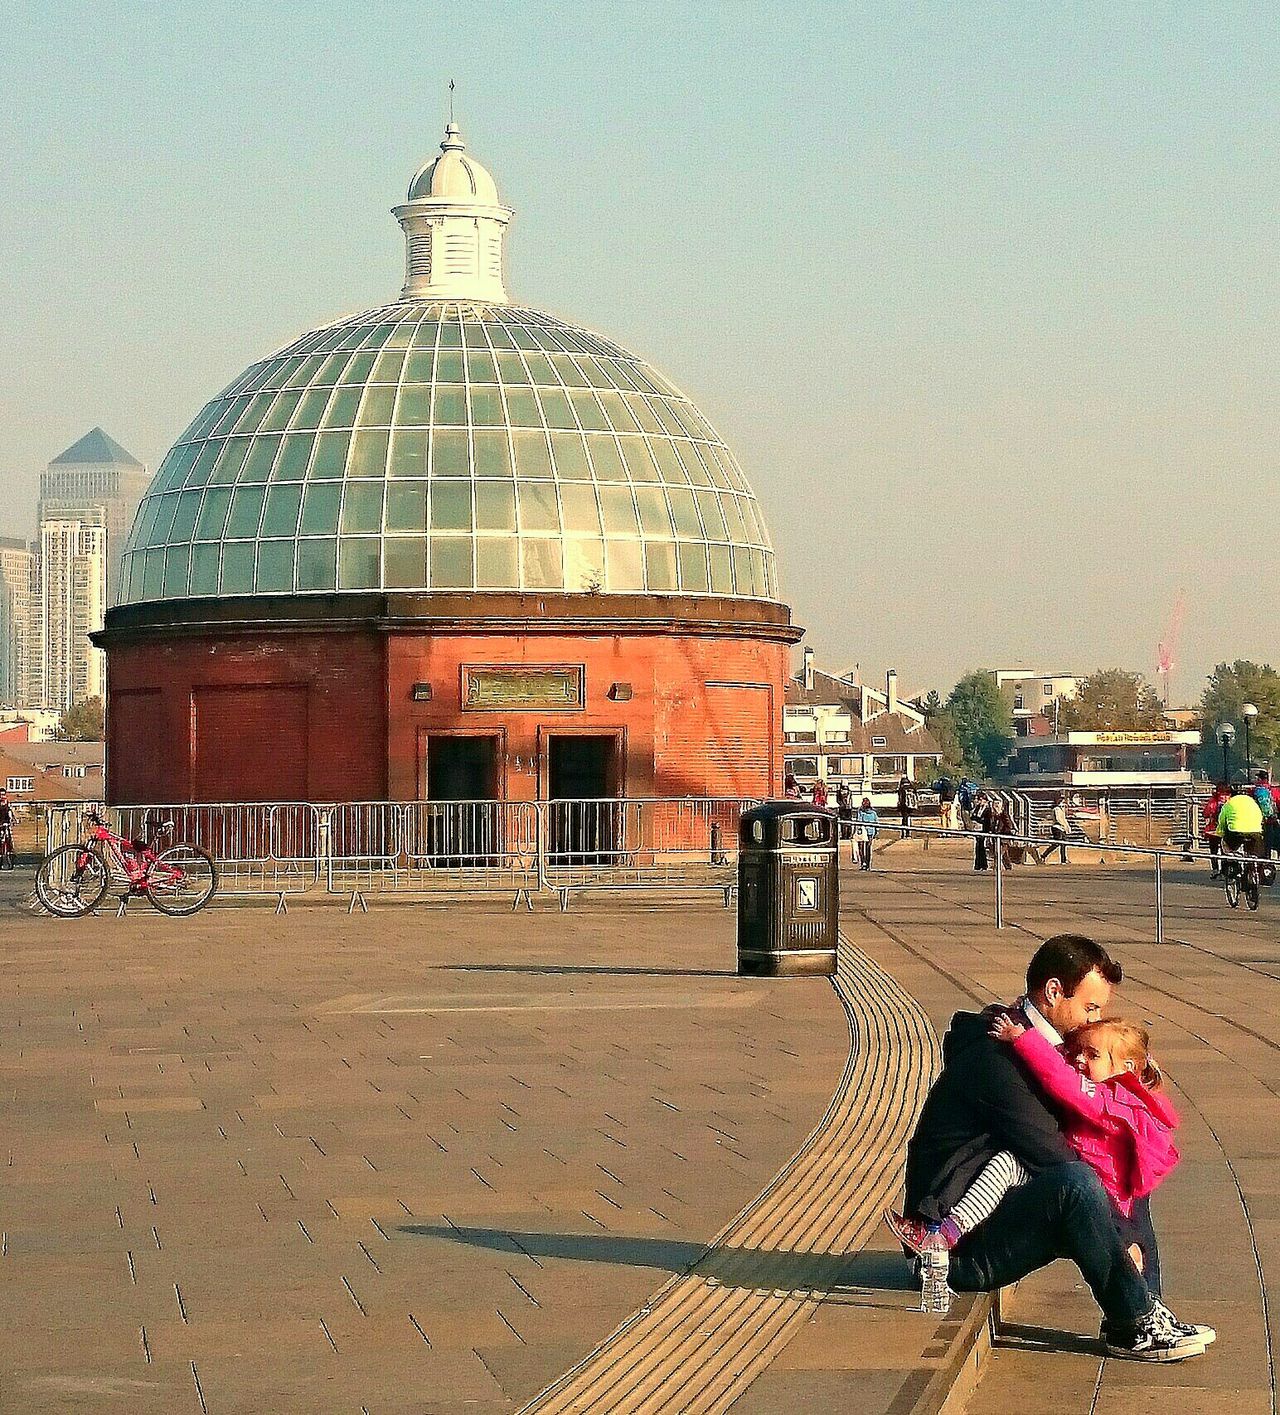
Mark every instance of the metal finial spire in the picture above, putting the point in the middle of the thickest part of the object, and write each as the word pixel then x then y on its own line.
pixel 451 87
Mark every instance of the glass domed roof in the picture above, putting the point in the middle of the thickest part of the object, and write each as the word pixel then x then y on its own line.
pixel 450 441
pixel 448 445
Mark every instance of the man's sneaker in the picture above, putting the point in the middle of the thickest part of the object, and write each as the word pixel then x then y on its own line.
pixel 1158 1336
pixel 915 1234
pixel 1190 1330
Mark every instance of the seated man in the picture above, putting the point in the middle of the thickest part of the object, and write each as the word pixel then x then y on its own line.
pixel 984 1102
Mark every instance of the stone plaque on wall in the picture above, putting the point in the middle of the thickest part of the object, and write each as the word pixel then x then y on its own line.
pixel 520 689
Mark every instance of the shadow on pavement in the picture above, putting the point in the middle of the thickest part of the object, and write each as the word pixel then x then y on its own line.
pixel 558 968
pixel 787 1271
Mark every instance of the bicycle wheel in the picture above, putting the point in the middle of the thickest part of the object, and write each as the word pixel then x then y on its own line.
pixel 1251 892
pixel 1231 887
pixel 71 881
pixel 182 880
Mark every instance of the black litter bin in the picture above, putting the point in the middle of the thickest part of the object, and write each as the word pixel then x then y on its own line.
pixel 788 890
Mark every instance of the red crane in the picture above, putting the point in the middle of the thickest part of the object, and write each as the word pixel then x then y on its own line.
pixel 1167 649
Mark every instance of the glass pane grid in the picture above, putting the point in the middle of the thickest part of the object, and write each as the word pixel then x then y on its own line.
pixel 447 445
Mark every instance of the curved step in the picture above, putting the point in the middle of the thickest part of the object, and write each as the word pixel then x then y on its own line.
pixel 707 1333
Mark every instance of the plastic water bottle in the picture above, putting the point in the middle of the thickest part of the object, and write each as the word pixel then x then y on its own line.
pixel 935 1264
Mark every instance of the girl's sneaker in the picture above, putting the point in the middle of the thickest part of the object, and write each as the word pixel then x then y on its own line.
pixel 915 1234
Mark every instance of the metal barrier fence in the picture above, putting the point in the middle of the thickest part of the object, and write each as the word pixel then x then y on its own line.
pixel 424 848
pixel 1132 815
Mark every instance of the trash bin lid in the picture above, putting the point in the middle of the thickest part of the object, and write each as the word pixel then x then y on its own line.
pixel 770 815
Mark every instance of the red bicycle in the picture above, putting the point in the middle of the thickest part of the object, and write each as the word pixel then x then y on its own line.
pixel 178 880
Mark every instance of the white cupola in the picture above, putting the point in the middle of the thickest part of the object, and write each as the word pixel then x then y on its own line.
pixel 453 224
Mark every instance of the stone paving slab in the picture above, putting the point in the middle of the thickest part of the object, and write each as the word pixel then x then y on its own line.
pixel 418 1160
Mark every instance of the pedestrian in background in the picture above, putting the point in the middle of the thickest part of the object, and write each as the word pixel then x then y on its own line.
pixel 1209 825
pixel 820 794
pixel 906 804
pixel 1059 830
pixel 946 789
pixel 864 832
pixel 966 795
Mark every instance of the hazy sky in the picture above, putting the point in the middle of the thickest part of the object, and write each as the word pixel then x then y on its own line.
pixel 985 297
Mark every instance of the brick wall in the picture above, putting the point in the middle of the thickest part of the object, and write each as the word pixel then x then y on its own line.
pixel 330 715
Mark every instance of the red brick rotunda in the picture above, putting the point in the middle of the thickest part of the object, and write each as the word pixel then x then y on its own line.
pixel 449 549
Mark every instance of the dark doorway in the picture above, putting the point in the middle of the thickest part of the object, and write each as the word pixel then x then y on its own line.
pixel 581 768
pixel 463 824
pixel 586 821
pixel 462 768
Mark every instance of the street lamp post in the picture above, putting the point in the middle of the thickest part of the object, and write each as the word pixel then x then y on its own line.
pixel 1226 735
pixel 1248 712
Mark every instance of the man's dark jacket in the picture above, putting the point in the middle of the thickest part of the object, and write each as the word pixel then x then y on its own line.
pixel 983 1102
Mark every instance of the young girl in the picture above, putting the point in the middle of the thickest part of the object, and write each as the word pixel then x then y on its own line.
pixel 1115 1117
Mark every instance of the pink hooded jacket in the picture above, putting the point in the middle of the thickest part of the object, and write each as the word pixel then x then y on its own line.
pixel 1121 1130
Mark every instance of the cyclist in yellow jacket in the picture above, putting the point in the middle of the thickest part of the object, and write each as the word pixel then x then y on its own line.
pixel 1240 821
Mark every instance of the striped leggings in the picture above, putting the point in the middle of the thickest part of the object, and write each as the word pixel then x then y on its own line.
pixel 1001 1173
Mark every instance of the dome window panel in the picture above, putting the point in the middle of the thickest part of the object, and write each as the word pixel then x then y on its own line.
pixel 424 337
pixel 368 454
pixel 693 468
pixel 486 407
pixel 153 575
pixel 570 454
pixel 237 567
pixel 741 570
pixel 450 334
pixel 569 372
pixel 481 367
pixel 295 454
pixel 377 407
pixel 511 368
pixel 275 566
pixel 329 460
pixel 673 472
pixel 693 568
pixel 227 421
pixel 584 564
pixel 204 570
pixel 643 413
pixel 342 407
pixel 281 411
pixel 450 366
pixel 496 506
pixel 358 369
pixel 451 506
pixel 670 424
pixel 492 453
pixel 359 564
pixel 317 564
pixel 606 459
pixel 639 459
pixel 184 521
pixel 733 518
pixel 721 564
pixel 451 563
pixel 655 515
pixel 712 516
pixel 407 506
pixel 227 470
pixel 246 512
pixel 168 509
pixel 450 406
pixel 149 514
pixel 379 336
pixel 522 408
pixel 388 367
pixel 594 374
pixel 523 338
pixel 580 508
pixel 473 335
pixel 202 468
pixel 497 563
pixel 305 374
pixel 589 412
pixel 684 512
pixel 500 338
pixel 532 454
pixel 618 509
pixel 540 371
pixel 450 453
pixel 406 562
pixel 362 507
pixel 419 366
pixel 320 503
pixel 408 456
pixel 331 370
pixel 280 518
pixel 620 374
pixel 541 566
pixel 617 412
pixel 177 567
pixel 625 561
pixel 660 567
pixel 213 513
pixel 538 505
pixel 257 409
pixel 414 407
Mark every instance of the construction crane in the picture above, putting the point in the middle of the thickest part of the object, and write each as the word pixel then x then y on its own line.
pixel 1167 650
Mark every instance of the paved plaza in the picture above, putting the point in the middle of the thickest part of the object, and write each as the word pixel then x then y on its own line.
pixel 438 1159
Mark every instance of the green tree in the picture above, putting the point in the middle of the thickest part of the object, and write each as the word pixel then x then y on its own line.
pixel 942 729
pixel 1231 685
pixel 82 722
pixel 981 716
pixel 1112 700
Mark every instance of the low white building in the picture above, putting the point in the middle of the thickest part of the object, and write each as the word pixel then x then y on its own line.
pixel 1105 759
pixel 838 731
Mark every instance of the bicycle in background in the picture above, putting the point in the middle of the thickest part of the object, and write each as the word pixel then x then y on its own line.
pixel 178 880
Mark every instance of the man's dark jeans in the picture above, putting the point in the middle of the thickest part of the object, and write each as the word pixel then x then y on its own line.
pixel 1063 1212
